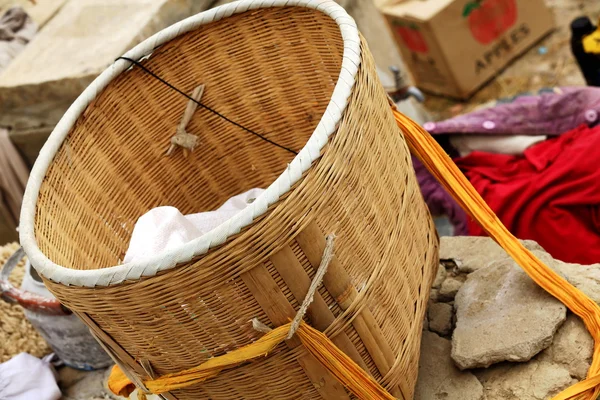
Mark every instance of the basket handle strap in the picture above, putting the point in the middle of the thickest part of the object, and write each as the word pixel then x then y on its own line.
pixel 185 140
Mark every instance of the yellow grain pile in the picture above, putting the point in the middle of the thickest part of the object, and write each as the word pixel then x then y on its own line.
pixel 16 333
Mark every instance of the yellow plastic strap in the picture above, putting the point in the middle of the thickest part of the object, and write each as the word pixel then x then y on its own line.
pixel 447 173
pixel 357 381
pixel 591 43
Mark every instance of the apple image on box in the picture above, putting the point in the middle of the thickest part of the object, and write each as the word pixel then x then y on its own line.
pixel 488 19
pixel 412 37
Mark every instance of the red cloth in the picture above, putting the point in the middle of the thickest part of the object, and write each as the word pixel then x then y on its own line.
pixel 551 194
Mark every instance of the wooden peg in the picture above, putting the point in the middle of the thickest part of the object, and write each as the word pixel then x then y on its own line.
pixel 181 138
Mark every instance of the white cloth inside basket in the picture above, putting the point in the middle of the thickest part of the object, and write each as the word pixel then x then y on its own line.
pixel 165 228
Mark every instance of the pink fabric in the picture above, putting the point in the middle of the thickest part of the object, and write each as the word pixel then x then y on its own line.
pixel 546 114
pixel 439 201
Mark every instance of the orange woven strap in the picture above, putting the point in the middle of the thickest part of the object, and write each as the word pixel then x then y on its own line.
pixel 357 381
pixel 447 173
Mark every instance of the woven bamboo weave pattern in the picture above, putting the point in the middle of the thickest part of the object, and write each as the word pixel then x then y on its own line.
pixel 273 70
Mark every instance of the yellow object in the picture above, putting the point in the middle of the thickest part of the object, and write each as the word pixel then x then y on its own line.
pixel 447 173
pixel 316 343
pixel 591 43
pixel 362 385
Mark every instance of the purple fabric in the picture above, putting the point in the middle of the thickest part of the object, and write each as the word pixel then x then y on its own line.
pixel 547 114
pixel 438 200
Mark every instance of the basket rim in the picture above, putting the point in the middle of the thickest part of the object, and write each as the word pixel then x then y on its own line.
pixel 184 253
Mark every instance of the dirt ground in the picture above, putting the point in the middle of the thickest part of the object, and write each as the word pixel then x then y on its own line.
pixel 535 70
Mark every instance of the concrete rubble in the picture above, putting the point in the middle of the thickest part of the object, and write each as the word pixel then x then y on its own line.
pixel 440 317
pixel 535 380
pixel 502 315
pixel 492 334
pixel 439 378
pixel 572 348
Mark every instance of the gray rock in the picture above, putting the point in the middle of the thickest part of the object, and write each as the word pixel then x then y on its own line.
pixel 532 245
pixel 572 348
pixel 449 289
pixel 584 277
pixel 535 380
pixel 439 378
pixel 440 318
pixel 470 253
pixel 502 315
pixel 473 253
pixel 434 295
pixel 439 277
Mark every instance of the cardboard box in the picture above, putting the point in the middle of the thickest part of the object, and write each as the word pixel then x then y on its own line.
pixel 453 47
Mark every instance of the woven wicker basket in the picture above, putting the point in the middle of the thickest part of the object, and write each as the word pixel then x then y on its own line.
pixel 299 72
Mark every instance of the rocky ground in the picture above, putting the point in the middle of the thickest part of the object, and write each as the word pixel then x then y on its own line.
pixel 492 334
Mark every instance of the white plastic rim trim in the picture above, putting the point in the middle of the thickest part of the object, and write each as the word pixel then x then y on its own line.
pixel 169 259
